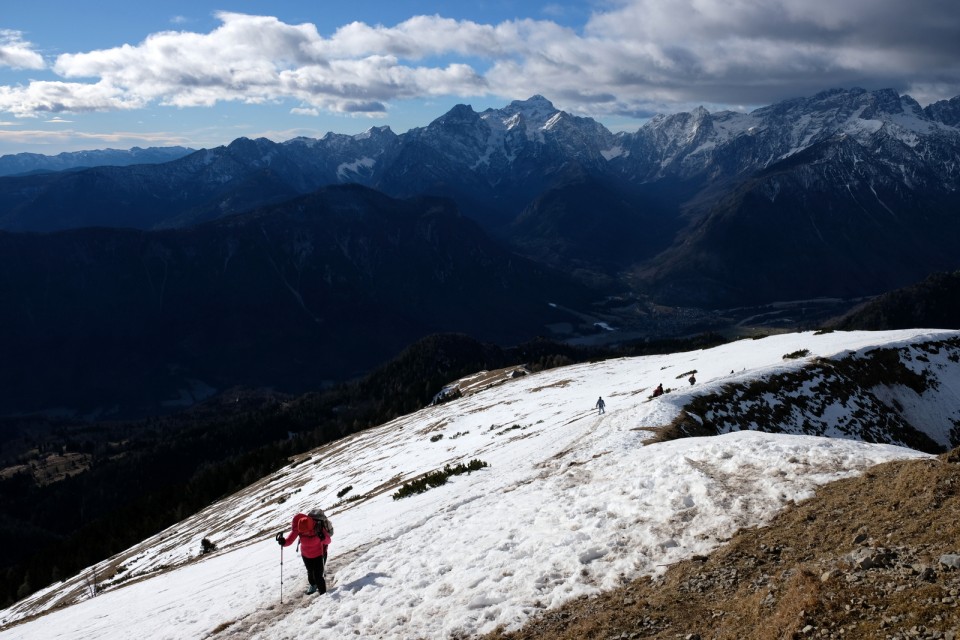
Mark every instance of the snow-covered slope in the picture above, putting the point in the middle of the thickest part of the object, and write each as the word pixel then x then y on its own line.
pixel 572 503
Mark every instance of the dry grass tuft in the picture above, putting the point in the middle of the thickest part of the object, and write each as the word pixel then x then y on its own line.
pixel 683 426
pixel 800 595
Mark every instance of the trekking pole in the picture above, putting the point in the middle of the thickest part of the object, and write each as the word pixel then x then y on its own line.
pixel 281 575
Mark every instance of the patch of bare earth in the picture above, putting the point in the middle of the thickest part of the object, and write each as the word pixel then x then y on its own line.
pixel 867 557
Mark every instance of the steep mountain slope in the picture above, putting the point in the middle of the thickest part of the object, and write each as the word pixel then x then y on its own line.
pixel 67 482
pixel 571 505
pixel 832 221
pixel 934 302
pixel 320 288
pixel 495 162
pixel 945 111
pixel 843 194
pixel 593 224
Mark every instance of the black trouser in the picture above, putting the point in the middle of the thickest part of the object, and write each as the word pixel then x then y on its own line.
pixel 315 571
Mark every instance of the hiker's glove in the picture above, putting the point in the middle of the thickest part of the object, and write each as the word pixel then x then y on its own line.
pixel 279 539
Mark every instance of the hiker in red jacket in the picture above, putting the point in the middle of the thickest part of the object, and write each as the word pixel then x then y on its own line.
pixel 314 540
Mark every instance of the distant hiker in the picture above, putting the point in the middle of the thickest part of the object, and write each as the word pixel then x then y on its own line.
pixel 692 380
pixel 314 533
pixel 600 405
pixel 658 391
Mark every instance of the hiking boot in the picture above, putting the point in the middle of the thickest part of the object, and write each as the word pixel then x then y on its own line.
pixel 312 589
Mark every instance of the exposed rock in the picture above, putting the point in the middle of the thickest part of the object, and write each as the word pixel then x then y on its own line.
pixel 868 558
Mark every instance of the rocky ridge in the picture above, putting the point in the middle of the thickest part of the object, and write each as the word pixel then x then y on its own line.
pixel 18 163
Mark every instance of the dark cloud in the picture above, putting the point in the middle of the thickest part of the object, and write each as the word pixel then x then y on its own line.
pixel 364 107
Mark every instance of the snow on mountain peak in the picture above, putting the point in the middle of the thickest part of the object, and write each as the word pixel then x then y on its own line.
pixel 513 121
pixel 373 132
pixel 694 142
pixel 482 550
pixel 700 113
pixel 553 120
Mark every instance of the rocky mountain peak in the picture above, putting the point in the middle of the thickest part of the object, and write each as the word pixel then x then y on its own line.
pixel 459 115
pixel 251 148
pixel 533 103
pixel 534 112
pixel 374 133
pixel 945 111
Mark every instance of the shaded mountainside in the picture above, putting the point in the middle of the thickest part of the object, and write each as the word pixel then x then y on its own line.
pixel 321 288
pixel 831 221
pixel 934 302
pixel 845 193
pixel 594 224
pixel 197 188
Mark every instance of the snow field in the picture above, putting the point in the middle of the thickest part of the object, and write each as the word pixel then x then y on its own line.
pixel 572 503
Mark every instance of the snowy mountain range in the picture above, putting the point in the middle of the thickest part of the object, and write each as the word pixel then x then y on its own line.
pixel 842 194
pixel 571 502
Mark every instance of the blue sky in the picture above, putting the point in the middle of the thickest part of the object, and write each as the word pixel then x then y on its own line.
pixel 122 74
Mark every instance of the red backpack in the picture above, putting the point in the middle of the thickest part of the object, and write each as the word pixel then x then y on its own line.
pixel 310 525
pixel 306 526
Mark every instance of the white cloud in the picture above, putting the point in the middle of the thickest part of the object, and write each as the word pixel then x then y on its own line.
pixel 423 36
pixel 344 84
pixel 17 53
pixel 83 139
pixel 240 60
pixel 302 111
pixel 58 97
pixel 635 57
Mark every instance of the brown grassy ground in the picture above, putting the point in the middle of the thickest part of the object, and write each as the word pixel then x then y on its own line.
pixel 805 575
pixel 50 467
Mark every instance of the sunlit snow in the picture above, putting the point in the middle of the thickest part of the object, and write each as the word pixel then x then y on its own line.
pixel 572 503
